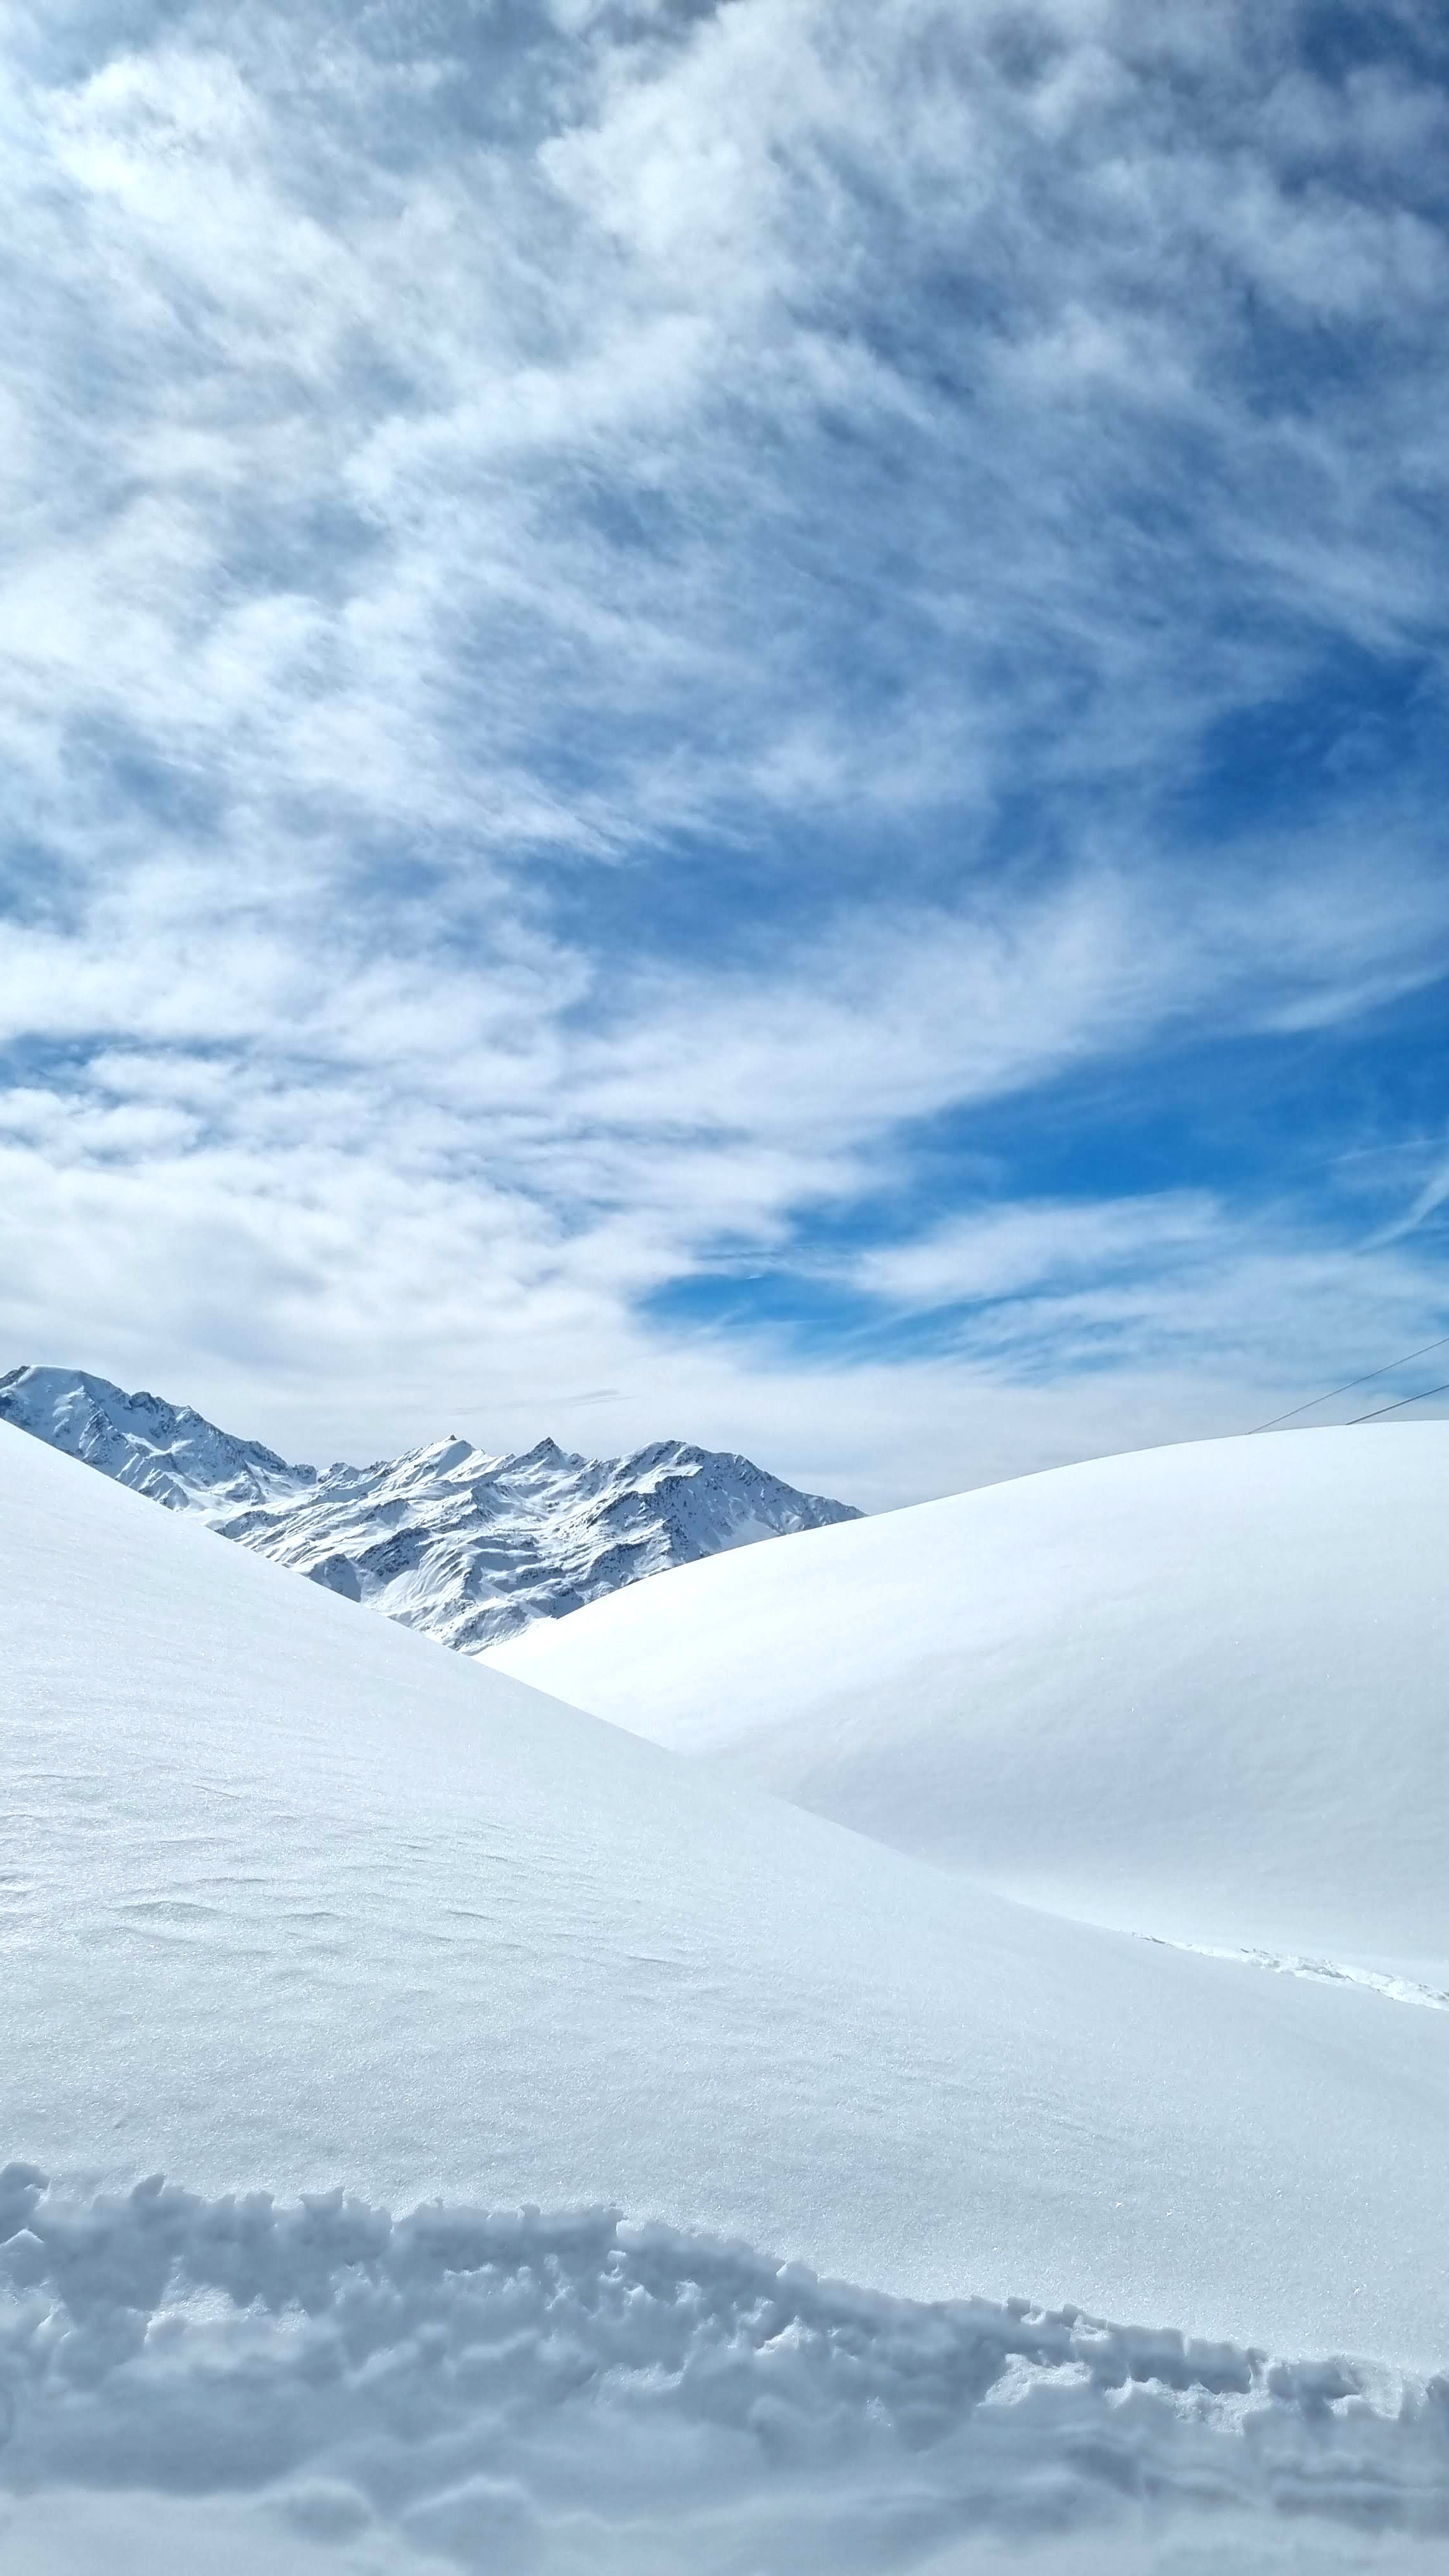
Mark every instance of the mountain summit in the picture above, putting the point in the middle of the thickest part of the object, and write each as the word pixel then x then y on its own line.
pixel 464 1545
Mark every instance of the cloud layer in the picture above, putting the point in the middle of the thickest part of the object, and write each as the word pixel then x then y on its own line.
pixel 643 647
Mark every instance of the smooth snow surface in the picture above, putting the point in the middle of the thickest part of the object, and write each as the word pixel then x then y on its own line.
pixel 466 1546
pixel 293 1900
pixel 1200 1692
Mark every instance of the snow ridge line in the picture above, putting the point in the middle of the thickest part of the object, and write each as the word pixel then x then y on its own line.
pixel 465 2382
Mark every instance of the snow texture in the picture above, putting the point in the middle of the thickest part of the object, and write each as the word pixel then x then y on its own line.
pixel 291 1900
pixel 318 2385
pixel 467 1547
pixel 1200 1692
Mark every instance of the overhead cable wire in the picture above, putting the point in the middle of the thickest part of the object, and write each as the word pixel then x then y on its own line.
pixel 1366 1380
pixel 1398 1408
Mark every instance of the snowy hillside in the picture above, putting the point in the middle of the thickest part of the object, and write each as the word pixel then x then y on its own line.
pixel 1199 1692
pixel 293 1902
pixel 469 1548
pixel 164 1450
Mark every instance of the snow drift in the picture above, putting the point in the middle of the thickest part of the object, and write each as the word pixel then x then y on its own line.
pixel 234 2384
pixel 1199 1692
pixel 294 1900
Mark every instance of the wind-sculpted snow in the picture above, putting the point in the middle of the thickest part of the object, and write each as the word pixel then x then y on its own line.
pixel 322 2384
pixel 288 1896
pixel 1197 1693
pixel 468 1547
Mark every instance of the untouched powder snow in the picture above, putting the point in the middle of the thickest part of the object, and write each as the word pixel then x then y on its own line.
pixel 293 1901
pixel 1199 1692
pixel 465 1546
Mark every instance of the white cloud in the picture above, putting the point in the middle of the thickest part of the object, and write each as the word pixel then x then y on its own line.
pixel 1018 286
pixel 1031 1244
pixel 1429 1198
pixel 429 1201
pixel 440 484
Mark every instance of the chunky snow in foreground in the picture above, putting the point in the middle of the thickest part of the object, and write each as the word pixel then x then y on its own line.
pixel 1199 1692
pixel 237 2386
pixel 464 1545
pixel 294 1901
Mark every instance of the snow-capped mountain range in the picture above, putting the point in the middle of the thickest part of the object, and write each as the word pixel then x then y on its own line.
pixel 464 1545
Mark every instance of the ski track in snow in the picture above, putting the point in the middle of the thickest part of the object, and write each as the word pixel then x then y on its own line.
pixel 1323 1972
pixel 513 2391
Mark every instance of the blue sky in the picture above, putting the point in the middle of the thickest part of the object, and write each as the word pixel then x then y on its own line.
pixel 725 721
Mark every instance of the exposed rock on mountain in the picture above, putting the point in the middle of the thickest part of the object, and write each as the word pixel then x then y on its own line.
pixel 466 1546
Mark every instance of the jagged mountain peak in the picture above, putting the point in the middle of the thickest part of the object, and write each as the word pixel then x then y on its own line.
pixel 169 1451
pixel 466 1544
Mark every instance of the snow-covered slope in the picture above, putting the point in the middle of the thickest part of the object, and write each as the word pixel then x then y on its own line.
pixel 468 1547
pixel 331 1904
pixel 293 1899
pixel 165 1450
pixel 1201 1692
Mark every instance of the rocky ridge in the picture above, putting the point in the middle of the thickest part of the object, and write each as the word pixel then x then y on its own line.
pixel 467 1546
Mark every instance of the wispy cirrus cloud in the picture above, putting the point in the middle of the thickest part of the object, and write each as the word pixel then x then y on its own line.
pixel 614 618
